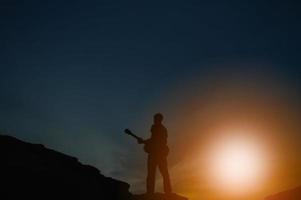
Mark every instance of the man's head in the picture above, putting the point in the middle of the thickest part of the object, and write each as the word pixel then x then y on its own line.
pixel 158 118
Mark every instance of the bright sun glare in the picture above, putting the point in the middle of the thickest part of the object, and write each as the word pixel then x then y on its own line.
pixel 237 164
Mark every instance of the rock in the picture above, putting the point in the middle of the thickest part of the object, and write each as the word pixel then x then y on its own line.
pixel 35 172
pixel 293 194
pixel 32 171
pixel 159 196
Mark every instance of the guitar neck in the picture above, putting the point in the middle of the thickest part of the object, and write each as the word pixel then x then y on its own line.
pixel 135 136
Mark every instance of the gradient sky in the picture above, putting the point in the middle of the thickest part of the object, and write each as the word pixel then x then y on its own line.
pixel 74 74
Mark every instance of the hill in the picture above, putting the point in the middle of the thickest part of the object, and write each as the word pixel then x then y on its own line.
pixel 293 194
pixel 33 171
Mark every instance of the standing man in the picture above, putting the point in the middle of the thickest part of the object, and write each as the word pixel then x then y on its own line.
pixel 157 149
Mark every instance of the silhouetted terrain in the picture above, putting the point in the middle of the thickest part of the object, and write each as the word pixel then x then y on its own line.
pixel 293 194
pixel 35 172
pixel 158 196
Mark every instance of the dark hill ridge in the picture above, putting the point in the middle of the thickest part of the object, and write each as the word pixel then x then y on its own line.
pixel 35 172
pixel 159 196
pixel 293 194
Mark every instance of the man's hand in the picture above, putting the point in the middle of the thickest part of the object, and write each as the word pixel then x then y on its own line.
pixel 140 141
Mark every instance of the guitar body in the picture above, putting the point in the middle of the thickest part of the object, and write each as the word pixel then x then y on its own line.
pixel 150 147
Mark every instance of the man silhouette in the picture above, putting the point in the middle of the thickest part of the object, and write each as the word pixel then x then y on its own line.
pixel 157 155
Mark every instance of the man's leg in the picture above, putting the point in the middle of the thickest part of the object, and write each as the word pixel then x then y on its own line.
pixel 151 175
pixel 164 171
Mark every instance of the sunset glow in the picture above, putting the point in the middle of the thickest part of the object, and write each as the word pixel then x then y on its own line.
pixel 237 165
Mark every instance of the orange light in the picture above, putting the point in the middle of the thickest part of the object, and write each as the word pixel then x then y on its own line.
pixel 236 164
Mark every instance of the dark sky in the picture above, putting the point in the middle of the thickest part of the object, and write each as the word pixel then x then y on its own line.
pixel 74 74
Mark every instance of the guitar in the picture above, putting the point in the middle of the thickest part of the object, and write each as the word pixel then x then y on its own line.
pixel 139 139
pixel 149 146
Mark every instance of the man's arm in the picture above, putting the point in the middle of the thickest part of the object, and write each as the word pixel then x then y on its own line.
pixel 141 141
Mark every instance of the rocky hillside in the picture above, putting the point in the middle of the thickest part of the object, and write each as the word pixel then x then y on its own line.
pixel 35 172
pixel 293 194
